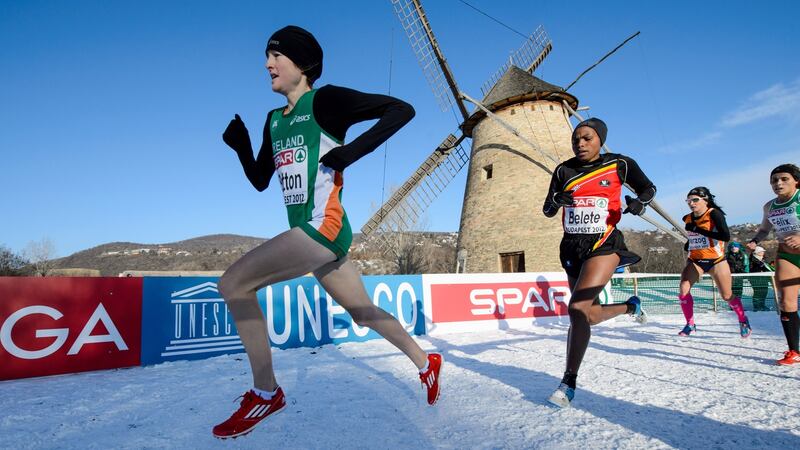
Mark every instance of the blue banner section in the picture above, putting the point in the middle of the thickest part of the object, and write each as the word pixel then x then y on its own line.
pixel 186 318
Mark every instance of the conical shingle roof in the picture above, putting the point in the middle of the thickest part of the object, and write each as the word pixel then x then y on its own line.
pixel 517 86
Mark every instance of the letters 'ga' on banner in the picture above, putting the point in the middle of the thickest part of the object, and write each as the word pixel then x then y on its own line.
pixel 52 326
pixel 186 318
pixel 484 301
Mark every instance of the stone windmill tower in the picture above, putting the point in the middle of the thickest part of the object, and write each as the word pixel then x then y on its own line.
pixel 520 131
pixel 502 228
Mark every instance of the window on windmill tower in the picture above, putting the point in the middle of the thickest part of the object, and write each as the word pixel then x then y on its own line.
pixel 551 107
pixel 512 262
pixel 487 172
pixel 513 112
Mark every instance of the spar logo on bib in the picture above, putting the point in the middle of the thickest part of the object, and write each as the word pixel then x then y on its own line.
pixel 300 154
pixel 284 158
pixel 591 202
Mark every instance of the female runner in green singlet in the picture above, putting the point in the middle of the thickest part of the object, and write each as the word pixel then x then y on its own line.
pixel 782 214
pixel 304 143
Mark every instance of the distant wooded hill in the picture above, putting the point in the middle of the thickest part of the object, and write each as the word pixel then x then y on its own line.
pixel 418 252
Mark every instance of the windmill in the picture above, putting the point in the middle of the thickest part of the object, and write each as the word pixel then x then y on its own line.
pixel 520 131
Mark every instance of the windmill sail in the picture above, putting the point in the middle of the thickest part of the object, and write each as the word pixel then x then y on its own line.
pixel 408 203
pixel 429 55
pixel 529 56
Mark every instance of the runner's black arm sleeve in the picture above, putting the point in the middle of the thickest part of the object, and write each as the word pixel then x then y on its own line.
pixel 337 108
pixel 550 207
pixel 722 233
pixel 259 170
pixel 633 176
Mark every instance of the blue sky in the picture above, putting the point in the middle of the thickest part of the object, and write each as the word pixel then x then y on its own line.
pixel 112 112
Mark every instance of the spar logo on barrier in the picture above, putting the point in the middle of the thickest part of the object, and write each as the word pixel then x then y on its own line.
pixel 60 325
pixel 493 297
pixel 185 318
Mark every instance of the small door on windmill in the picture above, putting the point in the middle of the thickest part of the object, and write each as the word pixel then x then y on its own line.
pixel 512 262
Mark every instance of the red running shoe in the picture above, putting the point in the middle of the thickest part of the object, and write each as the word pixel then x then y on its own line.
pixel 252 410
pixel 430 378
pixel 789 358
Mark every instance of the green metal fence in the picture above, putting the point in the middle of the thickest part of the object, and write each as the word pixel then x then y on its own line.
pixel 659 292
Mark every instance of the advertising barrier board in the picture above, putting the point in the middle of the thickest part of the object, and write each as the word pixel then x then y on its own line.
pixel 185 317
pixel 461 302
pixel 52 326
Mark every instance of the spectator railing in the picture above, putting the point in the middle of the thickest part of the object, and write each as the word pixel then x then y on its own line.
pixel 659 292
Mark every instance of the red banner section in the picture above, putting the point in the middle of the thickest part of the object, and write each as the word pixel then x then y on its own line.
pixel 462 302
pixel 51 326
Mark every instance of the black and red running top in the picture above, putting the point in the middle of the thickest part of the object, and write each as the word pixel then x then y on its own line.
pixel 596 187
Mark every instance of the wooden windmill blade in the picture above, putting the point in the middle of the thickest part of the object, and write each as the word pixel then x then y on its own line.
pixel 406 205
pixel 528 57
pixel 409 202
pixel 429 55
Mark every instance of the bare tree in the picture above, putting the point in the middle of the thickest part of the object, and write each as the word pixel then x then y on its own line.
pixel 11 264
pixel 40 256
pixel 405 252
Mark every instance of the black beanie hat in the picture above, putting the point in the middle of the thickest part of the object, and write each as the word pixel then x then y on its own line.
pixel 301 47
pixel 597 125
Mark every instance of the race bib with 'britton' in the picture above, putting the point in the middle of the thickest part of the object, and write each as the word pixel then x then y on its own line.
pixel 292 167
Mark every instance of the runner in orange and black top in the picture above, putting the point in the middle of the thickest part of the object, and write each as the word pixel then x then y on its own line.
pixel 708 233
pixel 588 186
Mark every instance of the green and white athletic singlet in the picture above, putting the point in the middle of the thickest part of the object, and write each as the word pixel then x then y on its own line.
pixel 312 192
pixel 785 217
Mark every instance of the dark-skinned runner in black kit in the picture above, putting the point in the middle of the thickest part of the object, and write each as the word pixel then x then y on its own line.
pixel 588 187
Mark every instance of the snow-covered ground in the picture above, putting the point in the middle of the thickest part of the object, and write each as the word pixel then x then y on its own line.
pixel 640 387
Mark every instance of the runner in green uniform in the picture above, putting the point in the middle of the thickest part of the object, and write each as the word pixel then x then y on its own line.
pixel 782 214
pixel 304 143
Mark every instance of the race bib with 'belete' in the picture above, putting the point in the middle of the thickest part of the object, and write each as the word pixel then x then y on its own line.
pixel 784 220
pixel 587 215
pixel 292 167
pixel 697 241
